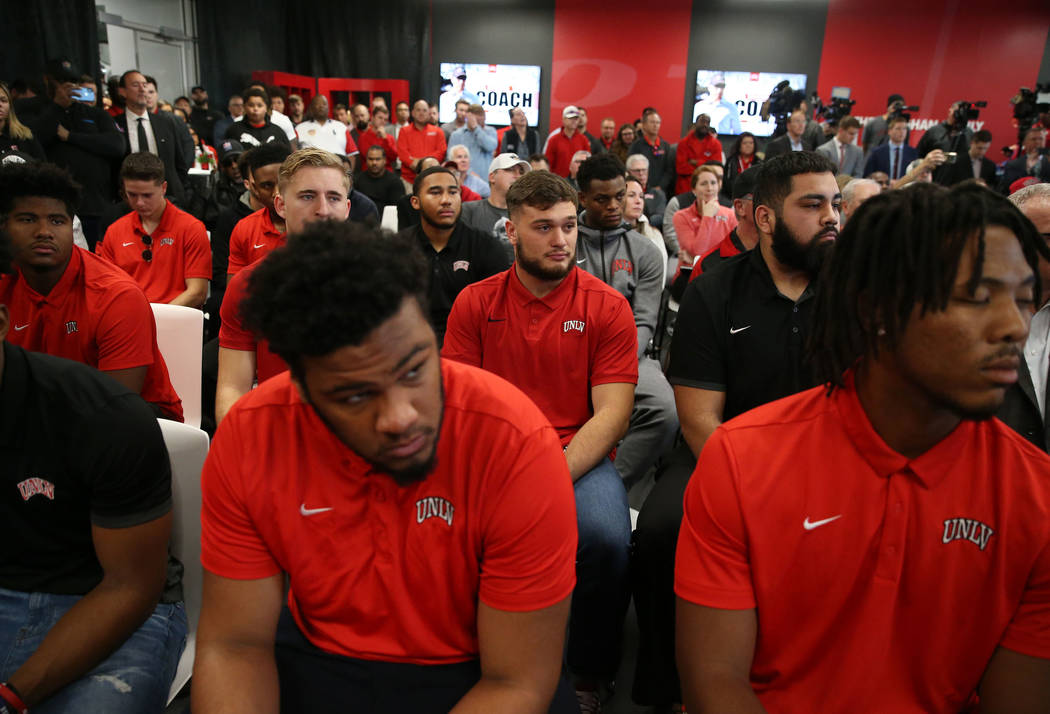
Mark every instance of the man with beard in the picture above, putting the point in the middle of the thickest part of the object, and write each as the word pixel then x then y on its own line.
pixel 738 343
pixel 360 117
pixel 419 509
pixel 832 540
pixel 569 342
pixel 699 147
pixel 457 255
pixel 377 182
pixel 262 231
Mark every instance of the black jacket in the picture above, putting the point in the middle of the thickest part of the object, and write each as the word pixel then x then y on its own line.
pixel 1020 410
pixel 169 148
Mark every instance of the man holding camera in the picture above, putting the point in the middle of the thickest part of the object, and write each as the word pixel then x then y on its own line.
pixel 951 136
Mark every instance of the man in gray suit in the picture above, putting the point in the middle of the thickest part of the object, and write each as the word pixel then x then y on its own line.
pixel 1025 406
pixel 843 151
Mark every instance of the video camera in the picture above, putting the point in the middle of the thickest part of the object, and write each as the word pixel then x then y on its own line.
pixel 900 109
pixel 1028 105
pixel 840 105
pixel 782 100
pixel 966 111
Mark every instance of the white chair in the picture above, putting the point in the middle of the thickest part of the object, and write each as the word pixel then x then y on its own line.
pixel 389 221
pixel 187 449
pixel 180 336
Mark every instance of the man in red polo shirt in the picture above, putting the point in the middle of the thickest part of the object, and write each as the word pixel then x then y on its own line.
pixel 258 233
pixel 568 341
pixel 697 148
pixel 563 144
pixel 164 249
pixel 70 303
pixel 377 135
pixel 881 543
pixel 312 185
pixel 417 141
pixel 420 509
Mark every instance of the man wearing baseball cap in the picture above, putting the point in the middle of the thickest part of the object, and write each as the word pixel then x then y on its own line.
pixel 561 145
pixel 490 215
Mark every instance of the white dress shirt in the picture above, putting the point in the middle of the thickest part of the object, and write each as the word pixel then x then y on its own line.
pixel 133 131
pixel 1037 354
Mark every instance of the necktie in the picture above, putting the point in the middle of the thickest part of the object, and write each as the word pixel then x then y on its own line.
pixel 842 156
pixel 896 163
pixel 143 140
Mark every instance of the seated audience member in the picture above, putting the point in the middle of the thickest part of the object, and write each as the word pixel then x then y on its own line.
pixel 296 109
pixel 520 139
pixel 490 215
pixel 88 624
pixel 475 187
pixel 376 181
pixel 457 254
pixel 574 166
pixel 255 128
pixel 621 146
pixel 655 199
pixel 562 144
pixel 569 342
pixel 658 151
pixel 1024 408
pixel 479 139
pixel 377 134
pixel 418 140
pixel 795 138
pixel 264 230
pixel 1031 162
pixel 697 147
pixel 164 249
pixel 741 157
pixel 916 340
pixel 742 239
pixel 320 132
pixel 855 193
pixel 629 263
pixel 634 216
pixel 407 215
pixel 975 165
pixel 706 223
pixel 842 150
pixel 14 135
pixel 738 343
pixel 881 178
pixel 892 156
pixel 451 475
pixel 312 186
pixel 539 162
pixel 228 185
pixel 67 302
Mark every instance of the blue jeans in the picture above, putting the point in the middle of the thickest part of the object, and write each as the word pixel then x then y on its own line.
pixel 134 679
pixel 599 602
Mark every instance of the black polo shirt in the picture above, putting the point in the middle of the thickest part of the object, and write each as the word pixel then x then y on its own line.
pixel 736 333
pixel 79 450
pixel 469 256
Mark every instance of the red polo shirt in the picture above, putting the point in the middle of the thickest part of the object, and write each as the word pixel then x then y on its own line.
pixel 553 348
pixel 369 138
pixel 180 250
pixel 97 315
pixel 560 149
pixel 235 336
pixel 253 237
pixel 702 150
pixel 881 584
pixel 380 571
pixel 413 142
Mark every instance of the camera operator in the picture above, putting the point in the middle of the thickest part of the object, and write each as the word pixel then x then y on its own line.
pixel 951 136
pixel 1032 161
pixel 876 128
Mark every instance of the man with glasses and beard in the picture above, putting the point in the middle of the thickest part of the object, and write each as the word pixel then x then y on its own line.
pixel 419 508
pixel 569 341
pixel 738 343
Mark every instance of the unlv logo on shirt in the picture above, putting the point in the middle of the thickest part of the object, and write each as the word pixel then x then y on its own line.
pixel 71 327
pixel 167 241
pixel 967 529
pixel 622 264
pixel 573 325
pixel 33 486
pixel 434 507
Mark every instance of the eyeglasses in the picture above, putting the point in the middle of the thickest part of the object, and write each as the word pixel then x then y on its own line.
pixel 147 254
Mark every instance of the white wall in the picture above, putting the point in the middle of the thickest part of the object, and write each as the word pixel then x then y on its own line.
pixel 136 44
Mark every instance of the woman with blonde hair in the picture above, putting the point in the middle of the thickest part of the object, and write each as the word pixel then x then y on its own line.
pixel 14 135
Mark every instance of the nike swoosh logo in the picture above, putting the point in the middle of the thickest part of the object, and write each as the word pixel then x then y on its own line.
pixel 19 328
pixel 125 245
pixel 581 261
pixel 810 525
pixel 311 511
pixel 733 331
pixel 259 245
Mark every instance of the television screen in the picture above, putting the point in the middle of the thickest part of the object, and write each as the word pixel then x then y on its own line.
pixel 734 100
pixel 497 87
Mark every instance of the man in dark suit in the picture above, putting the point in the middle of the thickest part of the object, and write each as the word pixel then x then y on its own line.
pixel 155 133
pixel 894 156
pixel 793 140
pixel 974 165
pixel 1031 162
pixel 1025 406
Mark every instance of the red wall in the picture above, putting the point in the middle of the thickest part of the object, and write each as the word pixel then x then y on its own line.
pixel 615 57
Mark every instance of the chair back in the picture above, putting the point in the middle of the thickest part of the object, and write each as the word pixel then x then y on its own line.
pixel 180 336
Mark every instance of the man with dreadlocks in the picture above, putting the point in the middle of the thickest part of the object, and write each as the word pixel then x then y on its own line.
pixel 881 543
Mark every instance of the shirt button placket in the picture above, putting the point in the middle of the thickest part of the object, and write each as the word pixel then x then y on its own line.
pixel 894 527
